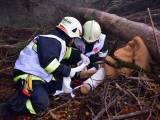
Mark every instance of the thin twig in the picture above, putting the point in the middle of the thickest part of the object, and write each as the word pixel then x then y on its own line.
pixel 122 90
pixel 139 78
pixel 130 94
pixel 104 109
pixel 133 114
pixel 135 98
pixel 150 113
pixel 154 31
pixel 53 117
pixel 58 107
pixel 91 110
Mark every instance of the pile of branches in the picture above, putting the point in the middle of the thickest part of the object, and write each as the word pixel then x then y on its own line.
pixel 114 99
pixel 12 41
pixel 130 97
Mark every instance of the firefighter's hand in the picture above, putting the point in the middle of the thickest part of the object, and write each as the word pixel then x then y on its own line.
pixel 85 59
pixel 72 73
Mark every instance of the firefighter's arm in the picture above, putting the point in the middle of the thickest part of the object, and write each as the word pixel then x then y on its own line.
pixel 72 53
pixel 104 51
pixel 101 54
pixel 48 52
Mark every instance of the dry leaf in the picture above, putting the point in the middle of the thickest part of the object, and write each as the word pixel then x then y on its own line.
pixel 87 113
pixel 127 110
pixel 154 86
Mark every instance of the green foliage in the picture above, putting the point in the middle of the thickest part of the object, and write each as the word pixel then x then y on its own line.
pixel 111 37
pixel 129 87
pixel 88 17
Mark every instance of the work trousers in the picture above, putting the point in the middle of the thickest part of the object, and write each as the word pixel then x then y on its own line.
pixel 38 97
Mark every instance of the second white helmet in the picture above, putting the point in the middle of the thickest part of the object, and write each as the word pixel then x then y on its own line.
pixel 71 26
pixel 92 31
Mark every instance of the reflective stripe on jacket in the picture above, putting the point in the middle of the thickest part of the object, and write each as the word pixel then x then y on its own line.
pixel 103 54
pixel 25 76
pixel 28 60
pixel 68 53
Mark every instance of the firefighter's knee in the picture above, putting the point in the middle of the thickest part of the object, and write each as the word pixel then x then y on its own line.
pixel 39 98
pixel 41 104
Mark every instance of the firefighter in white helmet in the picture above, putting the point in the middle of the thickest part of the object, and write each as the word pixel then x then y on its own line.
pixel 36 69
pixel 93 45
pixel 96 48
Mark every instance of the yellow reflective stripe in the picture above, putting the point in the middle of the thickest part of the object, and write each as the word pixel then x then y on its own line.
pixel 103 54
pixel 30 107
pixel 74 48
pixel 24 76
pixel 34 47
pixel 53 79
pixel 68 53
pixel 52 66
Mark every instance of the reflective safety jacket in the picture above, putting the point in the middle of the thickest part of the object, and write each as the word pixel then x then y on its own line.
pixel 43 55
pixel 99 48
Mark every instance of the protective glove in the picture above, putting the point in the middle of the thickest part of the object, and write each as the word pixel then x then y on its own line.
pixel 72 73
pixel 85 59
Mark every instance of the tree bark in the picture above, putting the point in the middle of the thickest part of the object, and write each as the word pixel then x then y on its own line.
pixel 120 27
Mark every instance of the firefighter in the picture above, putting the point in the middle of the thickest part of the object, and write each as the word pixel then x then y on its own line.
pixel 36 69
pixel 93 45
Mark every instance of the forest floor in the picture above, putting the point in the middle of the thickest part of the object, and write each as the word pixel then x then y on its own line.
pixel 120 98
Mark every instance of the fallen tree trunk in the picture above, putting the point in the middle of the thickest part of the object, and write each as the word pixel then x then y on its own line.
pixel 120 27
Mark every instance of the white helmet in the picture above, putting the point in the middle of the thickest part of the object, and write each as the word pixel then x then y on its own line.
pixel 71 26
pixel 92 31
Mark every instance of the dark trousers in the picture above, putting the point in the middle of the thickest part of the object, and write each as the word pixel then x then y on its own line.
pixel 39 96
